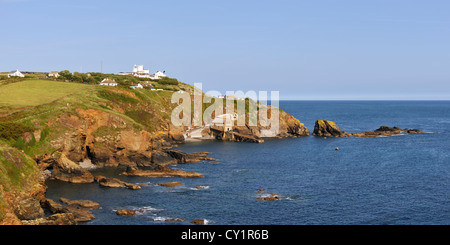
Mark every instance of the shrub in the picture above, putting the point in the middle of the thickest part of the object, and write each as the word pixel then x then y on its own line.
pixel 116 97
pixel 13 130
pixel 168 81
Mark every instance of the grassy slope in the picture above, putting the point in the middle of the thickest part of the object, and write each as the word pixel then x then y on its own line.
pixel 35 103
pixel 36 92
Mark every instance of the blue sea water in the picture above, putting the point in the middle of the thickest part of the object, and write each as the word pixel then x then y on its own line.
pixel 394 180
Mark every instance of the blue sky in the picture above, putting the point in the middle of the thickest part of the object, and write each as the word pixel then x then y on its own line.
pixel 328 49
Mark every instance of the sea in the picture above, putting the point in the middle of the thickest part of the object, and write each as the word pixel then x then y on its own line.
pixel 397 180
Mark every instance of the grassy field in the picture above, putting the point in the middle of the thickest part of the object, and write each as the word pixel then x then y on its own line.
pixel 37 92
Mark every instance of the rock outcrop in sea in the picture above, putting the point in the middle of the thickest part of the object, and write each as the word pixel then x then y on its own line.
pixel 324 128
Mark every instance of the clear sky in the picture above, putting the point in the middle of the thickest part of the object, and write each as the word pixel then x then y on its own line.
pixel 324 49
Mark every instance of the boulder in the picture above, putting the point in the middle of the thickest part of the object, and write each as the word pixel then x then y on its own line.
pixel 126 212
pixel 80 214
pixel 52 206
pixel 68 171
pixel 26 207
pixel 114 183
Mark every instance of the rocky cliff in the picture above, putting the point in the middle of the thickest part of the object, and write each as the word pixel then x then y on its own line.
pixel 21 187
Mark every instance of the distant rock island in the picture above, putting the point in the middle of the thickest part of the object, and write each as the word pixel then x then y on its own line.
pixel 324 128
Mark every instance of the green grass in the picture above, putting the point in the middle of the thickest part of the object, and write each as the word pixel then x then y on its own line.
pixel 37 92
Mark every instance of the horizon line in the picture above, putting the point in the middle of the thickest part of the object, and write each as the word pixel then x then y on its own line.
pixel 364 99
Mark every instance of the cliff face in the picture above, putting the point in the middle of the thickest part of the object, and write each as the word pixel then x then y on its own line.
pixel 291 126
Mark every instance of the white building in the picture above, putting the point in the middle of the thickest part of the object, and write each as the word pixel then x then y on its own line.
pixel 225 120
pixel 139 70
pixel 108 82
pixel 135 86
pixel 159 74
pixel 54 74
pixel 16 73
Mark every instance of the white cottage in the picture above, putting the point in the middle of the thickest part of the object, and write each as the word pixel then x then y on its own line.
pixel 135 86
pixel 54 74
pixel 108 82
pixel 16 73
pixel 159 74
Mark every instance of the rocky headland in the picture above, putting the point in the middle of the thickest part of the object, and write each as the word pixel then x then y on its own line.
pixel 105 127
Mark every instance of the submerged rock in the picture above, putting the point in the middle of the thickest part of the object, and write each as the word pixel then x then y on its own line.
pixel 169 184
pixel 199 222
pixel 161 171
pixel 267 196
pixel 174 220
